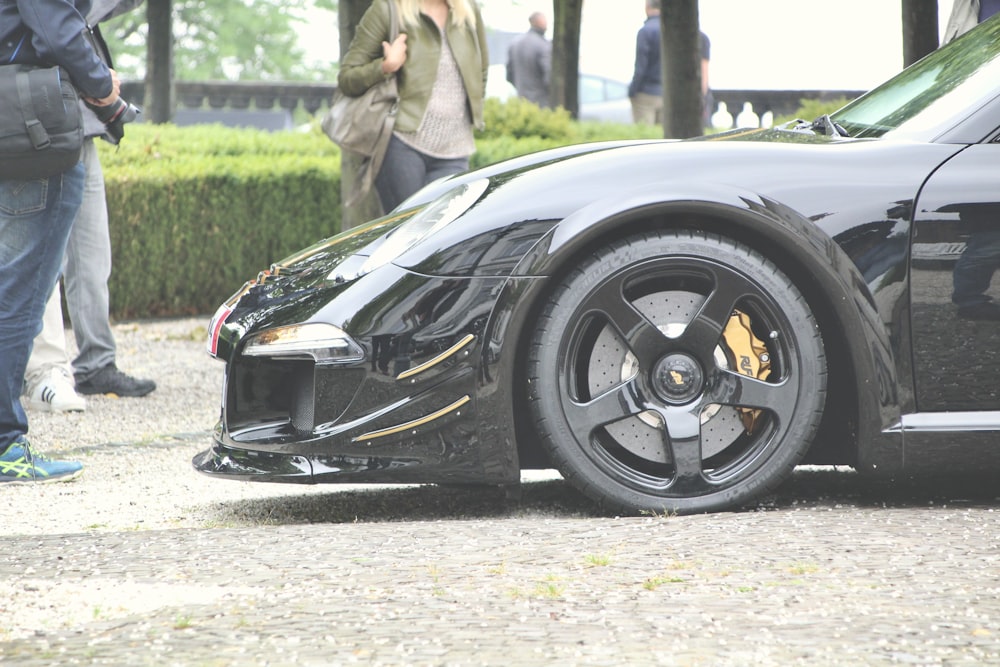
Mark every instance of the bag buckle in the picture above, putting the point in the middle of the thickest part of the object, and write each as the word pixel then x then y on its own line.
pixel 36 132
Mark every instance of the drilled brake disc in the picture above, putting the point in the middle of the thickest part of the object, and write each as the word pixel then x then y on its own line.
pixel 611 364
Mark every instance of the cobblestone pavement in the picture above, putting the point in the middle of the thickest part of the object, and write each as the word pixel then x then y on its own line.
pixel 144 562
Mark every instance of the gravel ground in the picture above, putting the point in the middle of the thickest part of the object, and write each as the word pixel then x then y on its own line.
pixel 142 561
pixel 131 446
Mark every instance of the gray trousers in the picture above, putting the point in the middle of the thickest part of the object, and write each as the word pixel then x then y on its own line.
pixel 86 269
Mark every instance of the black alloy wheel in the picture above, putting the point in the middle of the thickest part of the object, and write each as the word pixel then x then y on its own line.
pixel 676 372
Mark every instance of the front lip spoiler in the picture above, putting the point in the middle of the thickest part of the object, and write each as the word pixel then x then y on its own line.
pixel 229 463
pixel 253 466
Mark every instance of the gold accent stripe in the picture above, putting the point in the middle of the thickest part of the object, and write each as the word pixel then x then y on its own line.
pixel 415 423
pixel 436 360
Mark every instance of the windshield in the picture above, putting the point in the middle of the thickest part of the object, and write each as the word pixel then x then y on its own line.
pixel 952 80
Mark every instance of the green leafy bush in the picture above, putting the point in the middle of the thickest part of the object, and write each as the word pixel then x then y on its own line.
pixel 519 118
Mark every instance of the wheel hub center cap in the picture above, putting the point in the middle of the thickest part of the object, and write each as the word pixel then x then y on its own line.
pixel 678 378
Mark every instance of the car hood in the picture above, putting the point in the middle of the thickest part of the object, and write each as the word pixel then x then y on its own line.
pixel 830 182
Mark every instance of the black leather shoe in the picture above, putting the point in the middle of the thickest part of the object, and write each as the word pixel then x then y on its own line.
pixel 110 380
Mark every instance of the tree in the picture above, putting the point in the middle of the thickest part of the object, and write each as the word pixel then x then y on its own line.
pixel 250 40
pixel 348 17
pixel 920 29
pixel 566 19
pixel 160 56
pixel 193 40
pixel 681 55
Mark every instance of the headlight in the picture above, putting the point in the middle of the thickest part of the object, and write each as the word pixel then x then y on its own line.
pixel 435 216
pixel 424 195
pixel 323 343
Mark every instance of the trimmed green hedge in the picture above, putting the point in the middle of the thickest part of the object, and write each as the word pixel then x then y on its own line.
pixel 196 211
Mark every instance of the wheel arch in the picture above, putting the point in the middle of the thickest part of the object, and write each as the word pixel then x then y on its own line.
pixel 861 396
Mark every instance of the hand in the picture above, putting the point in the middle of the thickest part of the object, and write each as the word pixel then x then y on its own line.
pixel 394 55
pixel 116 85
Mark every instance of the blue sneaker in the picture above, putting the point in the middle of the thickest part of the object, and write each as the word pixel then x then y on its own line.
pixel 20 464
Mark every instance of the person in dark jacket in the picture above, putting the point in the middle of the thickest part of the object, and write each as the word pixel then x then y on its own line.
pixel 49 377
pixel 529 62
pixel 36 217
pixel 646 88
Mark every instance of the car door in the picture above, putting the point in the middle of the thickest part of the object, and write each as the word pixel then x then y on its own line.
pixel 955 293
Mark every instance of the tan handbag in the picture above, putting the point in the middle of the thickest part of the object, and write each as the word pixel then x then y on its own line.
pixel 363 124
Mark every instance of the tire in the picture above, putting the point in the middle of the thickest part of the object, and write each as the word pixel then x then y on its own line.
pixel 676 372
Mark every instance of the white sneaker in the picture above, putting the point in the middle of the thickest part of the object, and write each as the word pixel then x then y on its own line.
pixel 53 391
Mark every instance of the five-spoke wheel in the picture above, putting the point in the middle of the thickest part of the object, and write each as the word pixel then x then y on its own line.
pixel 676 372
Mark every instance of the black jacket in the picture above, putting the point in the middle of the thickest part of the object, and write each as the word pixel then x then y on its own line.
pixel 53 32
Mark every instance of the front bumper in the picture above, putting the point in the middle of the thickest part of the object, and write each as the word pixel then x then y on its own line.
pixel 406 411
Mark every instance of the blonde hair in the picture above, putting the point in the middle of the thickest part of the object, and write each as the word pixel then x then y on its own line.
pixel 462 12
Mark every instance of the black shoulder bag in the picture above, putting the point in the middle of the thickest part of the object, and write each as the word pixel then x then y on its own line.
pixel 41 125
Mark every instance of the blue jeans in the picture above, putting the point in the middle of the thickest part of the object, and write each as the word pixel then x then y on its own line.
pixel 85 282
pixel 35 221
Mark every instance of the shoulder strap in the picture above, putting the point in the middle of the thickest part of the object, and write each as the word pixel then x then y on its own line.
pixel 36 131
pixel 393 21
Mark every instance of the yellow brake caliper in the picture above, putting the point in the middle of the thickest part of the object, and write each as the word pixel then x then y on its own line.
pixel 750 357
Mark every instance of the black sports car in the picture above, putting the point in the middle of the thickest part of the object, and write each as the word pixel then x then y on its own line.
pixel 674 326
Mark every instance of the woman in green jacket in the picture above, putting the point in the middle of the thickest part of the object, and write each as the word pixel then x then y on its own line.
pixel 440 62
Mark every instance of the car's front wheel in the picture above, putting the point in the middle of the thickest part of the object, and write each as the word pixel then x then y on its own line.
pixel 676 372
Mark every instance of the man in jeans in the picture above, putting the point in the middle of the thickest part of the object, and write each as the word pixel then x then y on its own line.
pixel 36 217
pixel 48 384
